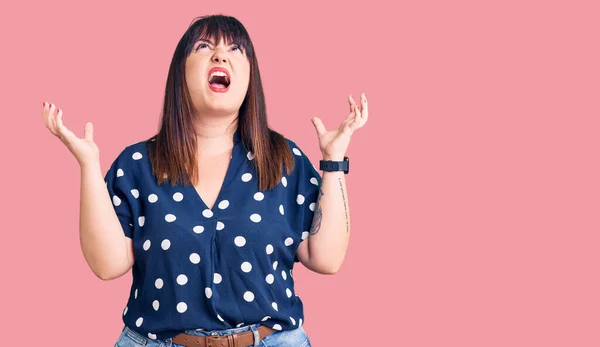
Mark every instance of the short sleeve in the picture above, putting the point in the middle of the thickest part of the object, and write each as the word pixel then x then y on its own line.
pixel 121 185
pixel 306 185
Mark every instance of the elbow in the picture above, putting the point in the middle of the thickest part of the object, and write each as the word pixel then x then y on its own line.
pixel 106 276
pixel 110 273
pixel 329 269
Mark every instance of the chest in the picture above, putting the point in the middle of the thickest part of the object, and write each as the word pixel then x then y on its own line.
pixel 211 175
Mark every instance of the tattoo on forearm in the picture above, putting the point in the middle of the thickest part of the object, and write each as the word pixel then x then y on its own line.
pixel 345 207
pixel 318 216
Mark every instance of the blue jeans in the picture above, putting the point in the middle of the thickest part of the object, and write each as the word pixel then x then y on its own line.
pixel 284 338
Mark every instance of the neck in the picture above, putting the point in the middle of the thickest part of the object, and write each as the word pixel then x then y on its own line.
pixel 215 135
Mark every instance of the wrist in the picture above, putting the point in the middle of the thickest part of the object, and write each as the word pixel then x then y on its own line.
pixel 333 157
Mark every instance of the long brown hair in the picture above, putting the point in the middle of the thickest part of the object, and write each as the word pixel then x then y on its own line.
pixel 172 150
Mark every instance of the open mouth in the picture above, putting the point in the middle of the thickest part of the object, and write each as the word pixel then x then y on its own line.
pixel 218 80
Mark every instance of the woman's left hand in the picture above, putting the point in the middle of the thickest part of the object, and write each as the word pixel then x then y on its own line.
pixel 334 143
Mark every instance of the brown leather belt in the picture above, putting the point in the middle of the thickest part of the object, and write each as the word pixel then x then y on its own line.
pixel 244 339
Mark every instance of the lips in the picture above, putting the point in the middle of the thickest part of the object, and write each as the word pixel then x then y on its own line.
pixel 219 79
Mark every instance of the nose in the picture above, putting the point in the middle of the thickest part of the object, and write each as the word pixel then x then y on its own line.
pixel 219 57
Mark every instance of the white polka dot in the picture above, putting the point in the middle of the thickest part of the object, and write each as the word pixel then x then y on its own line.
pixel 288 292
pixel 269 249
pixel 195 258
pixel 158 283
pixel 277 327
pixel 255 217
pixel 178 196
pixel 221 319
pixel 266 317
pixel 120 172
pixel 239 241
pixel 259 196
pixel 246 177
pixel 139 322
pixel 152 336
pixel 165 244
pixel 296 151
pixel 146 245
pixel 181 307
pixel 300 199
pixel 281 209
pixel 135 193
pixel 275 306
pixel 207 213
pixel 198 229
pixel 291 273
pixel 249 296
pixel 314 181
pixel 182 279
pixel 155 305
pixel 250 155
pixel 135 294
pixel 284 181
pixel 304 235
pixel 289 241
pixel 300 322
pixel 270 279
pixel 141 220
pixel 220 225
pixel 223 204
pixel 312 206
pixel 125 310
pixel 217 278
pixel 208 292
pixel 246 267
pixel 137 156
pixel 170 217
pixel 116 200
pixel 283 274
pixel 293 321
pixel 152 198
pixel 275 265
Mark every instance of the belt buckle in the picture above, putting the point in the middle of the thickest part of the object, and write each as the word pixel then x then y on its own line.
pixel 217 341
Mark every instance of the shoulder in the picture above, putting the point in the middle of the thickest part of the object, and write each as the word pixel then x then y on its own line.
pixel 302 163
pixel 129 159
pixel 131 153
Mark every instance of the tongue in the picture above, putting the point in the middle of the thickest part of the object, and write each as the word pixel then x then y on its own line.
pixel 217 85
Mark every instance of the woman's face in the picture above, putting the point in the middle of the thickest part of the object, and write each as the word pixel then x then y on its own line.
pixel 217 77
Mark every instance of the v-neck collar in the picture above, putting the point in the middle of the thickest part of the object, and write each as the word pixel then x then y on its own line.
pixel 236 155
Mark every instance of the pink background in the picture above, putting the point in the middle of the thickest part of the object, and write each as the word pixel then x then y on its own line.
pixel 473 187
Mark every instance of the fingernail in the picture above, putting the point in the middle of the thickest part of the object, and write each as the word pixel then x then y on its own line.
pixel 59 110
pixel 44 103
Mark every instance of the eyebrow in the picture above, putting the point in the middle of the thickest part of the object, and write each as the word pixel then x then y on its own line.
pixel 212 43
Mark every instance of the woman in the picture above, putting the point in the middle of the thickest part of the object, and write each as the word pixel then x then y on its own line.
pixel 213 211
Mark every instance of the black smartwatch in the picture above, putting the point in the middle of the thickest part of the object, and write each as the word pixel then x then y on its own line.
pixel 330 165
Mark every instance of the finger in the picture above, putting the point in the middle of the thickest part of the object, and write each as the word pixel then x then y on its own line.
pixel 319 126
pixel 365 109
pixel 351 102
pixel 45 114
pixel 59 124
pixel 357 112
pixel 51 121
pixel 62 132
pixel 88 132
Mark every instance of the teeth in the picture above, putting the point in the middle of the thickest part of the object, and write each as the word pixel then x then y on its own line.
pixel 218 73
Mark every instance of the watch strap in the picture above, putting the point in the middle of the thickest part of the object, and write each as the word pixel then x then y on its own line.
pixel 331 165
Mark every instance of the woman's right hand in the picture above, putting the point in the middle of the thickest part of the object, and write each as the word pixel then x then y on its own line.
pixel 84 149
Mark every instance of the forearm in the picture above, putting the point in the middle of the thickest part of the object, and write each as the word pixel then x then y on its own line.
pixel 330 230
pixel 101 234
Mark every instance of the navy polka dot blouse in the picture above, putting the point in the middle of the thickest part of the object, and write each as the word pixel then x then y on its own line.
pixel 219 268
